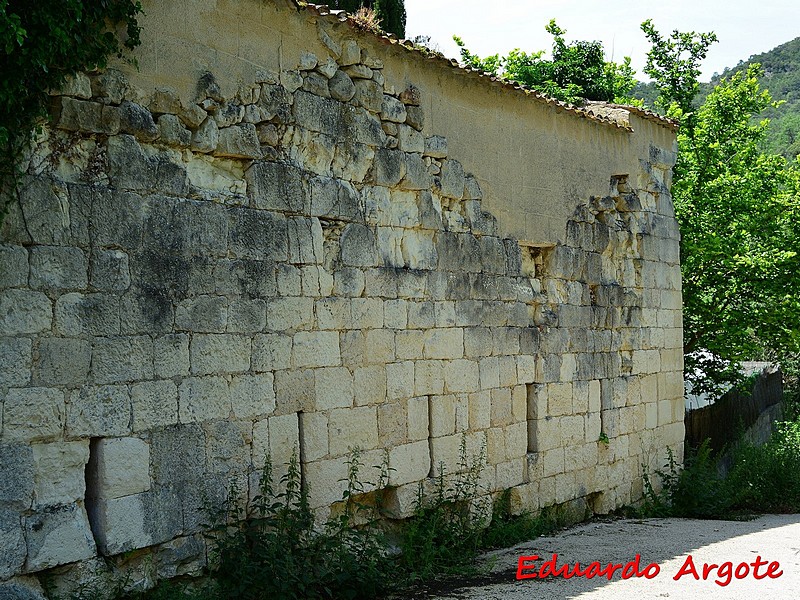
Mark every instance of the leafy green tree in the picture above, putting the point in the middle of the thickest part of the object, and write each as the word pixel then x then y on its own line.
pixel 738 208
pixel 577 71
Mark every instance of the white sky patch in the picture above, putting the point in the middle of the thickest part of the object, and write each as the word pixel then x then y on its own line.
pixel 743 27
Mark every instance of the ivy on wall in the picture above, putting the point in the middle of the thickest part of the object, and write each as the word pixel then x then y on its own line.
pixel 43 42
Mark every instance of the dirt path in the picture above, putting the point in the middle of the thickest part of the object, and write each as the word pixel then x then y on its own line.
pixel 665 542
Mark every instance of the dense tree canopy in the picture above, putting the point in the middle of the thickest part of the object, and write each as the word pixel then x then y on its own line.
pixel 738 207
pixel 577 70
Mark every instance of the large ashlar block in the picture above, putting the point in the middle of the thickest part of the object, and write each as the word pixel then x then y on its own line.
pixel 58 537
pixel 418 423
pixel 353 428
pixel 409 463
pixel 120 467
pixel 59 472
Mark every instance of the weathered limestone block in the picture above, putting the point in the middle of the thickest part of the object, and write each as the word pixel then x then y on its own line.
pixel 155 403
pixel 415 117
pixel 400 380
pixel 93 314
pixel 290 313
pixel 333 388
pixel 238 141
pixel 333 198
pixel 252 395
pixel 125 358
pixel 171 131
pixel 206 137
pixel 410 462
pixel 352 427
pixel 12 540
pixel 390 167
pixel 24 311
pixel 219 354
pixel 435 146
pixel 444 343
pixel 130 168
pixel 317 84
pixel 305 240
pixel 358 246
pixel 31 414
pixel 203 399
pixel 121 467
pixel 16 358
pixel 59 468
pixel 410 140
pixel 109 270
pixel 452 179
pixel 393 110
pixel 13 266
pixel 258 235
pixel 276 186
pixel 82 115
pixel 58 537
pixel 136 120
pixel 98 411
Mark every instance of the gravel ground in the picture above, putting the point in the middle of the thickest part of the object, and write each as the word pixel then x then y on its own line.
pixel 665 542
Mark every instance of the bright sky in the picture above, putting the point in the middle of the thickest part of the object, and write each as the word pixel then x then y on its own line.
pixel 744 27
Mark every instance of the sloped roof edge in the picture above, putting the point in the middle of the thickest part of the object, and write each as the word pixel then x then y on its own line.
pixel 325 12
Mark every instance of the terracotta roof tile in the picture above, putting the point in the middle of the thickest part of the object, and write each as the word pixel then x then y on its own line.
pixel 390 39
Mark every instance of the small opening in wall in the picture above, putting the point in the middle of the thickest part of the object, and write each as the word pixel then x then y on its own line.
pixel 91 477
pixel 532 396
pixel 301 456
pixel 430 437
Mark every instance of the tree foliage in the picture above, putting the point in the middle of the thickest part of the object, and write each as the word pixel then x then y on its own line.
pixel 43 42
pixel 577 70
pixel 739 212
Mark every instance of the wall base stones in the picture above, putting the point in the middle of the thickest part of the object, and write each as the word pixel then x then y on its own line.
pixel 190 285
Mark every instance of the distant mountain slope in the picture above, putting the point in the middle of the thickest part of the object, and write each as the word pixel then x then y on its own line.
pixel 781 77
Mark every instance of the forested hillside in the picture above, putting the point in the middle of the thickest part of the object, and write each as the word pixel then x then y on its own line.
pixel 782 79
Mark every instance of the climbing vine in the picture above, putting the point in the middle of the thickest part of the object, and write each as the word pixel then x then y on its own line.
pixel 42 43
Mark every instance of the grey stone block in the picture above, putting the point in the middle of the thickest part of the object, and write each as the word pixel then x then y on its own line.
pixel 85 116
pixel 99 411
pixel 368 94
pixel 117 359
pixel 171 131
pixel 294 391
pixel 58 267
pixel 316 84
pixel 52 214
pixel 278 186
pixel 452 179
pixel 203 399
pixel 393 110
pixel 111 85
pixel 15 356
pixel 219 353
pixel 23 311
pixel 239 141
pixel 415 117
pixel 258 235
pixel 271 352
pixel 13 266
pixel 12 558
pixel 92 314
pixel 117 219
pixel 208 314
pixel 138 121
pixel 131 169
pixel 31 414
pixel 16 476
pixel 341 86
pixel 333 199
pixel 409 139
pixel 154 404
pixel 19 590
pixel 358 246
pixel 247 316
pixel 108 270
pixel 206 137
pixel 390 167
pixel 62 361
pixel 146 310
pixel 58 537
pixel 171 355
pixel 177 455
pixel 275 102
pixel 252 395
pixel 417 176
pixel 305 240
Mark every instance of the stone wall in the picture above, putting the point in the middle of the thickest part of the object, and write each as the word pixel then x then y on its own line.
pixel 201 274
